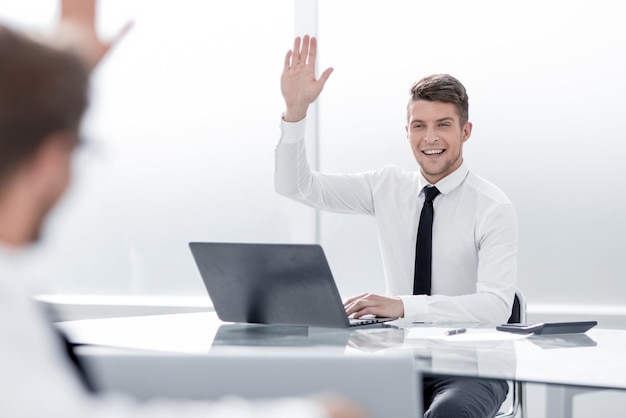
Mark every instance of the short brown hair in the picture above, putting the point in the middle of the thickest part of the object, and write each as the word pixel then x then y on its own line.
pixel 42 90
pixel 441 88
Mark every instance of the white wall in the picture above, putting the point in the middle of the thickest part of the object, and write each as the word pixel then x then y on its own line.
pixel 185 118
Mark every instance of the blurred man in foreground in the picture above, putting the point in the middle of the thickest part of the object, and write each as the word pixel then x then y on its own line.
pixel 43 95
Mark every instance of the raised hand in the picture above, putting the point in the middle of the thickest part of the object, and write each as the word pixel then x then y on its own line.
pixel 297 83
pixel 77 30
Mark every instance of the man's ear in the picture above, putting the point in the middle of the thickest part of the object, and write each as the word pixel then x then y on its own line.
pixel 467 131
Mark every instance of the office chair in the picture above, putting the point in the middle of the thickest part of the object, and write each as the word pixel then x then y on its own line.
pixel 518 315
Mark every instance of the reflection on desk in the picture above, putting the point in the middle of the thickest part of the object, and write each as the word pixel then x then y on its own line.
pixel 377 339
pixel 563 341
pixel 594 359
pixel 258 335
pixel 472 334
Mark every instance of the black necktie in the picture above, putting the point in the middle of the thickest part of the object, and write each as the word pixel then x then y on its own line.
pixel 423 249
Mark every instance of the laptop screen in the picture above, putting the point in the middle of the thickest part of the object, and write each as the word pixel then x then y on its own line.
pixel 264 283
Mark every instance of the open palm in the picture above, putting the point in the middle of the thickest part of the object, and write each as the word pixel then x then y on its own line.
pixel 298 84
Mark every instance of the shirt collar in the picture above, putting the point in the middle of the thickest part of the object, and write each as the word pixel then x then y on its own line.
pixel 449 182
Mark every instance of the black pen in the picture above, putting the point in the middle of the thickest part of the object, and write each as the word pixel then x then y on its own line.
pixel 455 331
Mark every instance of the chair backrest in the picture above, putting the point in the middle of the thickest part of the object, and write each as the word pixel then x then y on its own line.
pixel 518 312
pixel 518 315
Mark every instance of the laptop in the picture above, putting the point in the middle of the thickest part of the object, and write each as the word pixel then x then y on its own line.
pixel 286 284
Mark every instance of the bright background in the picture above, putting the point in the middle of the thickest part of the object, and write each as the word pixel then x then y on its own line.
pixel 185 117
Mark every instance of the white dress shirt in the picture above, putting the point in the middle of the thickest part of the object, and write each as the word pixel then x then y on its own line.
pixel 37 379
pixel 474 248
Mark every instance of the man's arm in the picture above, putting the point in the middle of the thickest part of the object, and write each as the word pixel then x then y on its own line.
pixel 293 177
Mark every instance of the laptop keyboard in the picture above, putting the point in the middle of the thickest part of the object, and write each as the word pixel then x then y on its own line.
pixel 366 321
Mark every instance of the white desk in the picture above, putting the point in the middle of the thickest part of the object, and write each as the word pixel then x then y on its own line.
pixel 594 360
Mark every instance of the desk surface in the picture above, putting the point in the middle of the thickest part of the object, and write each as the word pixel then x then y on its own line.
pixel 595 359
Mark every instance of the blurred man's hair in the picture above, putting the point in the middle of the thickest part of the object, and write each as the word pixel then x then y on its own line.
pixel 43 90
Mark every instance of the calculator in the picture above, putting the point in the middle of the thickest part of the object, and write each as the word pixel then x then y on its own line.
pixel 549 328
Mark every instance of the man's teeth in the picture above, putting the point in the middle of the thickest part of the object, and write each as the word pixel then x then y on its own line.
pixel 433 151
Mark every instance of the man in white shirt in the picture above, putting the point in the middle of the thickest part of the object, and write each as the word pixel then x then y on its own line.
pixel 474 231
pixel 43 94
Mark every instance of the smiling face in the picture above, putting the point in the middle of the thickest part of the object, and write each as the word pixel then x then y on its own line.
pixel 436 135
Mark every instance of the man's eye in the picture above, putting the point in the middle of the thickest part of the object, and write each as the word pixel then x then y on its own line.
pixel 444 125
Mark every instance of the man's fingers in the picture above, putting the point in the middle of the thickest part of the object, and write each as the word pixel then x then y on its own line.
pixel 299 86
pixel 106 47
pixel 312 50
pixel 288 59
pixel 366 308
pixel 121 34
pixel 350 308
pixel 296 51
pixel 359 305
pixel 352 299
pixel 366 311
pixel 305 50
pixel 375 305
pixel 83 11
pixel 325 75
